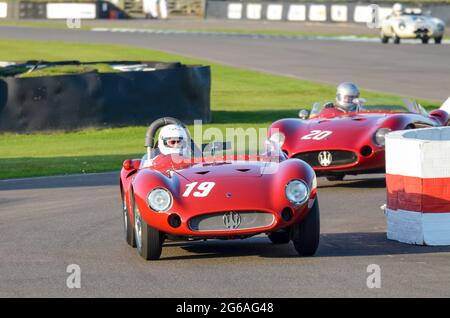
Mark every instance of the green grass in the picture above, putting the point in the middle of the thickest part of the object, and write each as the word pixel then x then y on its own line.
pixel 239 98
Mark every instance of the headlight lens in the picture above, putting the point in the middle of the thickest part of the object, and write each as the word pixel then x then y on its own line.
pixel 277 138
pixel 297 192
pixel 380 136
pixel 159 200
pixel 402 26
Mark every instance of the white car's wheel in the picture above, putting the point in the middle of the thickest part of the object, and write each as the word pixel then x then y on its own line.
pixel 396 39
pixel 384 38
pixel 425 40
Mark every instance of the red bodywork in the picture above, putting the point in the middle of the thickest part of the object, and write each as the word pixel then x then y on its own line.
pixel 240 185
pixel 351 138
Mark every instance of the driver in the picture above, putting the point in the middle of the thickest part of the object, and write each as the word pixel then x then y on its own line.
pixel 173 140
pixel 397 9
pixel 346 93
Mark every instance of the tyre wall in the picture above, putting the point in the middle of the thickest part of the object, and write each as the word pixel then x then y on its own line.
pixel 69 102
pixel 418 186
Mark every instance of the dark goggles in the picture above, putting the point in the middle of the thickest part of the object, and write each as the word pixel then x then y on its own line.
pixel 347 98
pixel 173 142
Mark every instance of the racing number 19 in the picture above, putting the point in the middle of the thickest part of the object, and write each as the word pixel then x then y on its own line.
pixel 203 189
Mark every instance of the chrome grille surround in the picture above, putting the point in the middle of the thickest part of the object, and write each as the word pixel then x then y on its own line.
pixel 216 221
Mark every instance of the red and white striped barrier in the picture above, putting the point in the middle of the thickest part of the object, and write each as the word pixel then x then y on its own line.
pixel 418 186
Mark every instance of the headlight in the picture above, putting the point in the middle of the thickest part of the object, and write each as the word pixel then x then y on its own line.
pixel 402 26
pixel 277 138
pixel 379 137
pixel 297 192
pixel 159 200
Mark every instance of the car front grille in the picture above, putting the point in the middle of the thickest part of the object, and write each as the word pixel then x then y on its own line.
pixel 338 158
pixel 232 220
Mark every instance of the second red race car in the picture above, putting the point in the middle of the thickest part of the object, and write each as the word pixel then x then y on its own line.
pixel 176 192
pixel 338 143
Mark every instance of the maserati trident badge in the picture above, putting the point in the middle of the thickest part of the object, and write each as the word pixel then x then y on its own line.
pixel 231 220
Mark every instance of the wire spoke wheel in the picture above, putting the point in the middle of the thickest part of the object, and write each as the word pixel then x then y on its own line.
pixel 138 228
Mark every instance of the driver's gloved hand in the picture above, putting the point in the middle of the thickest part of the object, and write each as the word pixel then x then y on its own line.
pixel 328 105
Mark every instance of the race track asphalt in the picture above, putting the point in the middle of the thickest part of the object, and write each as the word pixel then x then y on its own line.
pixel 49 223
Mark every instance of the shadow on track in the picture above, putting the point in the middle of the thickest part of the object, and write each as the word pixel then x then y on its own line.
pixel 367 183
pixel 331 245
pixel 369 244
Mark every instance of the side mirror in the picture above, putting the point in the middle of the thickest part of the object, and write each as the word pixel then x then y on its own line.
pixel 303 114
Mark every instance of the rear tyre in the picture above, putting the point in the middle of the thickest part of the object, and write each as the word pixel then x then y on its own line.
pixel 425 40
pixel 148 240
pixel 306 234
pixel 396 40
pixel 438 40
pixel 384 39
pixel 127 225
pixel 279 237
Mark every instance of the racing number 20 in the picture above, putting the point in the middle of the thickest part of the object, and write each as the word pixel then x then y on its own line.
pixel 203 189
pixel 317 134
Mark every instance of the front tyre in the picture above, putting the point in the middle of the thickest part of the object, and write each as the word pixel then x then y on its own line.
pixel 279 237
pixel 425 40
pixel 384 39
pixel 306 234
pixel 127 226
pixel 148 240
pixel 396 39
pixel 438 40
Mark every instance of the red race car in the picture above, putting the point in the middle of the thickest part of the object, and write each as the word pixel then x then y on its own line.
pixel 337 143
pixel 215 197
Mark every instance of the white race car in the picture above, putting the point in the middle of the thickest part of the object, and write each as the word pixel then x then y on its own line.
pixel 412 25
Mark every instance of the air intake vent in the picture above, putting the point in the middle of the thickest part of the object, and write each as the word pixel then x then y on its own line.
pixel 336 157
pixel 226 221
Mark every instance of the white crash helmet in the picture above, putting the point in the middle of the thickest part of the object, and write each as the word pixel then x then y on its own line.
pixel 397 8
pixel 173 139
pixel 345 94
